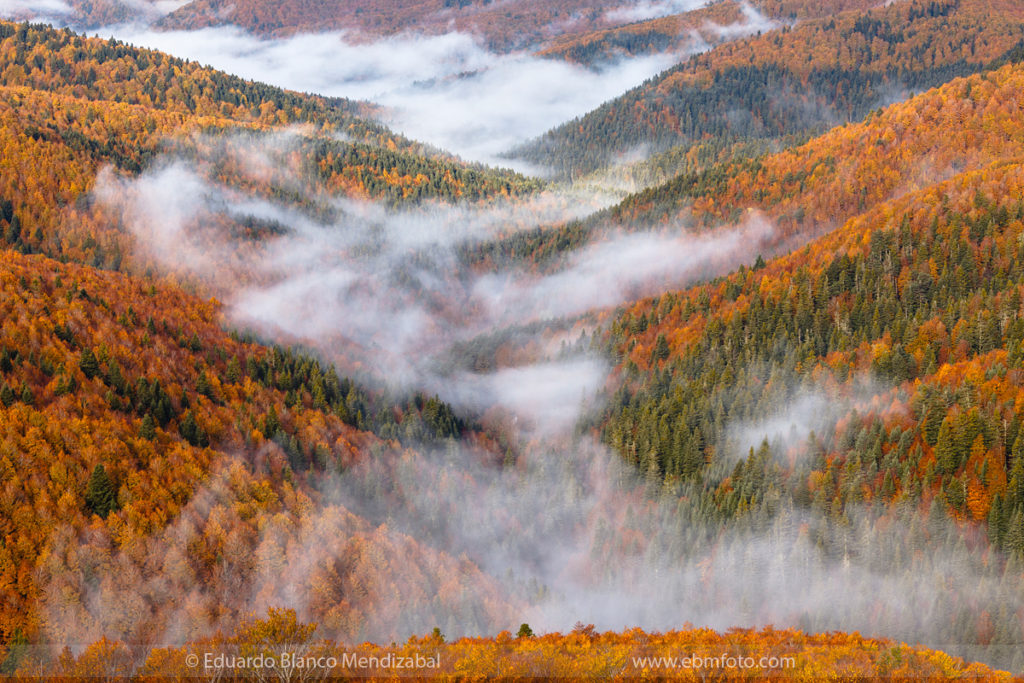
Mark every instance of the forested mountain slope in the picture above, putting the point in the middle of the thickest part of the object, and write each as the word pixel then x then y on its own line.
pixel 70 106
pixel 848 413
pixel 888 352
pixel 696 30
pixel 132 426
pixel 131 422
pixel 788 82
pixel 807 190
pixel 966 124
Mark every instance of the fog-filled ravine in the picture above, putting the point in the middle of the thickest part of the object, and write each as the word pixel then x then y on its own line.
pixel 567 530
pixel 548 519
pixel 448 90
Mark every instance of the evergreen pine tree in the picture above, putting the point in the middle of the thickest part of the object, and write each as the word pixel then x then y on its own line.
pixel 661 349
pixel 17 649
pixel 148 428
pixel 945 448
pixel 7 395
pixel 100 496
pixel 203 385
pixel 997 521
pixel 13 233
pixel 190 430
pixel 1014 545
pixel 271 425
pixel 88 363
pixel 1015 489
pixel 933 418
pixel 234 371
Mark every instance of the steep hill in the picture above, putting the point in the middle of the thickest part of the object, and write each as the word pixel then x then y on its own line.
pixel 503 26
pixel 795 81
pixel 132 422
pixel 70 106
pixel 811 188
pixel 133 426
pixel 881 362
pixel 967 124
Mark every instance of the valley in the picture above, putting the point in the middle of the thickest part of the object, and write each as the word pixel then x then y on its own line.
pixel 547 341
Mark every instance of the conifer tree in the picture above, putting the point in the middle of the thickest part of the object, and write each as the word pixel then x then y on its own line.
pixel 945 448
pixel 234 371
pixel 203 385
pixel 192 432
pixel 934 414
pixel 1015 536
pixel 26 394
pixel 271 425
pixel 88 363
pixel 148 428
pixel 661 349
pixel 100 496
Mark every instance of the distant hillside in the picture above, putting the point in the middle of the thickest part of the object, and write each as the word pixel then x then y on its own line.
pixel 967 124
pixel 680 32
pixel 796 81
pixel 809 189
pixel 718 22
pixel 810 9
pixel 504 25
pixel 71 105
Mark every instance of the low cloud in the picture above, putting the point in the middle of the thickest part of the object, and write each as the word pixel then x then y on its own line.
pixel 387 289
pixel 805 411
pixel 547 396
pixel 641 11
pixel 446 90
pixel 753 22
pixel 620 268
pixel 76 17
pixel 19 10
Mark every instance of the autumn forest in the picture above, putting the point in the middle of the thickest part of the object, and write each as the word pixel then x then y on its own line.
pixel 466 339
